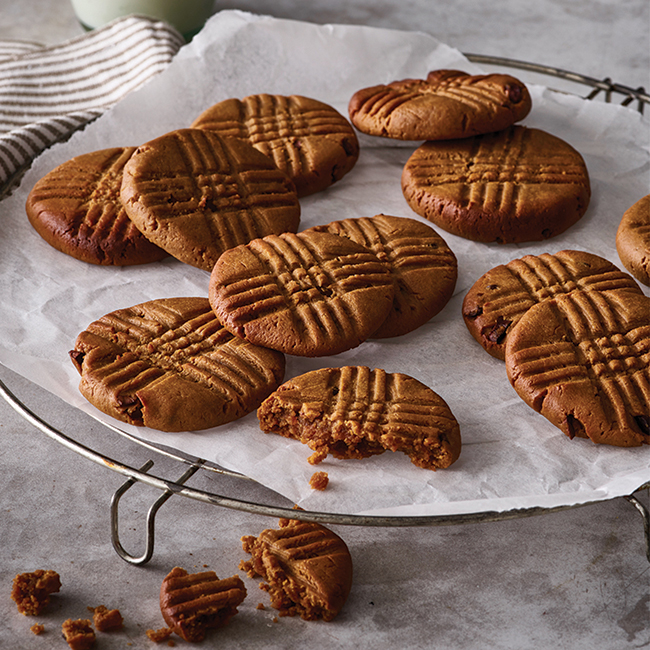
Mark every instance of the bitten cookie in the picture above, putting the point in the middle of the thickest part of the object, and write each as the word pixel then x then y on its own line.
pixel 633 240
pixel 195 195
pixel 309 140
pixel 355 412
pixel 424 268
pixel 582 360
pixel 76 208
pixel 449 104
pixel 308 294
pixel 307 569
pixel 170 365
pixel 514 186
pixel 500 297
pixel 193 603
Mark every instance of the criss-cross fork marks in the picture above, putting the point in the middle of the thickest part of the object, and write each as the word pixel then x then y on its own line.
pixel 96 189
pixel 198 349
pixel 281 127
pixel 603 349
pixel 303 541
pixel 380 402
pixel 493 173
pixel 305 281
pixel 476 97
pixel 213 181
pixel 404 252
pixel 545 276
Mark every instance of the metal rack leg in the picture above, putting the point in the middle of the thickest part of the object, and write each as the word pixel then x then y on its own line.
pixel 151 516
pixel 646 521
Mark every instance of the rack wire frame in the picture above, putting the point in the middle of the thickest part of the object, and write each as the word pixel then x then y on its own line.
pixel 603 89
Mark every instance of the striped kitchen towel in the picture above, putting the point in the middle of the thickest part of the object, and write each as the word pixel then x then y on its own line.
pixel 47 93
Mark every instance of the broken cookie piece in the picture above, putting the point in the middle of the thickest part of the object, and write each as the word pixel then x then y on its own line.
pixel 31 591
pixel 307 569
pixel 78 633
pixel 192 603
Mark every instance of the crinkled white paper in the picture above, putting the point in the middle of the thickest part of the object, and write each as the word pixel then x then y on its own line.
pixel 511 457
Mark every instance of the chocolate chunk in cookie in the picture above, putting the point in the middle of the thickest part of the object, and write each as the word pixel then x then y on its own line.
pixel 449 104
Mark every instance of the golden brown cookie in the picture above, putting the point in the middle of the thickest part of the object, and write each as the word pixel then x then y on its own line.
pixel 355 412
pixel 424 268
pixel 449 104
pixel 501 296
pixel 78 633
pixel 170 365
pixel 309 140
pixel 193 603
pixel 633 240
pixel 308 294
pixel 76 208
pixel 307 568
pixel 582 360
pixel 195 194
pixel 517 185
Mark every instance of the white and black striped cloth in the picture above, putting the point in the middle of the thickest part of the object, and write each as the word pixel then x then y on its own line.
pixel 47 93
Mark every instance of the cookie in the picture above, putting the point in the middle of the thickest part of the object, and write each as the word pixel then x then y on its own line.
pixel 78 633
pixel 192 603
pixel 424 268
pixel 170 365
pixel 195 195
pixel 307 568
pixel 501 296
pixel 582 360
pixel 76 208
pixel 633 240
pixel 307 294
pixel 309 140
pixel 355 412
pixel 517 185
pixel 449 104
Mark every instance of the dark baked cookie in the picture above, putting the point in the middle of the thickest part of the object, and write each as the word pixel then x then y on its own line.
pixel 424 268
pixel 449 104
pixel 501 296
pixel 170 365
pixel 309 294
pixel 76 208
pixel 633 240
pixel 309 140
pixel 355 412
pixel 513 186
pixel 307 568
pixel 582 360
pixel 193 603
pixel 196 194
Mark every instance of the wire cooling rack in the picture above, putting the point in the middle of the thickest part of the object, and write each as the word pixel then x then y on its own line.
pixel 600 89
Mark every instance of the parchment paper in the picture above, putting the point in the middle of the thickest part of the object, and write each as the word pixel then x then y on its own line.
pixel 512 457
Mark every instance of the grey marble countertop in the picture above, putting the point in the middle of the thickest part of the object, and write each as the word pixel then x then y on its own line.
pixel 572 579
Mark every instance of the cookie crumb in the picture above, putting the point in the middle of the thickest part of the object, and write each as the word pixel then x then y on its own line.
pixel 37 628
pixel 78 634
pixel 106 619
pixel 260 606
pixel 31 591
pixel 158 636
pixel 319 481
